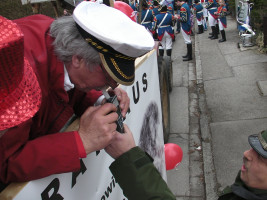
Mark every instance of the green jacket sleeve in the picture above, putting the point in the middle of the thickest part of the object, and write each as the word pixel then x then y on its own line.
pixel 138 177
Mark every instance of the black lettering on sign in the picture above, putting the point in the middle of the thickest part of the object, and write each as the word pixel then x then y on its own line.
pixel 76 174
pixel 136 99
pixel 144 80
pixel 135 88
pixel 109 189
pixel 55 186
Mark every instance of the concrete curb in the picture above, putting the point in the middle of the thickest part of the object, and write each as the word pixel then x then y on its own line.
pixel 206 139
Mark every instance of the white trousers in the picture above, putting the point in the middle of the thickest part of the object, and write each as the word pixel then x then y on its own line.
pixel 220 25
pixel 199 22
pixel 205 12
pixel 166 42
pixel 187 38
pixel 212 20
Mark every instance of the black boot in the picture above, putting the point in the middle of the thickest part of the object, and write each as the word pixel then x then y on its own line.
pixel 169 52
pixel 217 29
pixel 189 50
pixel 212 31
pixel 199 29
pixel 223 36
pixel 202 28
pixel 215 36
pixel 161 52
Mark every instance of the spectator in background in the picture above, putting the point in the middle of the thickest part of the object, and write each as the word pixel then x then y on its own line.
pixel 69 60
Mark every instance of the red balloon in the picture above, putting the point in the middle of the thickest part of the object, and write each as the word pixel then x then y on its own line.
pixel 126 9
pixel 173 155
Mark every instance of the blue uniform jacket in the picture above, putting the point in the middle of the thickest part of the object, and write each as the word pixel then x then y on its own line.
pixel 149 19
pixel 156 11
pixel 185 18
pixel 199 11
pixel 166 25
pixel 222 15
pixel 212 7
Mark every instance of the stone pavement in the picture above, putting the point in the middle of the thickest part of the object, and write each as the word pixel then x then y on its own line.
pixel 218 99
pixel 186 180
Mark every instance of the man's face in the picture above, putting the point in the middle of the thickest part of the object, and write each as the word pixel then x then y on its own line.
pixel 254 170
pixel 86 80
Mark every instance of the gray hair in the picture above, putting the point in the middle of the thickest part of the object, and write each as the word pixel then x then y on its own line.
pixel 69 42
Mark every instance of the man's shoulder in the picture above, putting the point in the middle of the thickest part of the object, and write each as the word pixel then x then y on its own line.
pixel 34 18
pixel 227 194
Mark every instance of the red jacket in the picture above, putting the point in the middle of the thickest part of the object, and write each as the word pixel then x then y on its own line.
pixel 35 148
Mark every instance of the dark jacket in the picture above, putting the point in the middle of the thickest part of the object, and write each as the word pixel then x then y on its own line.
pixel 239 191
pixel 138 177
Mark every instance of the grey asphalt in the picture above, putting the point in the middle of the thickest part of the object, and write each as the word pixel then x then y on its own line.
pixel 218 99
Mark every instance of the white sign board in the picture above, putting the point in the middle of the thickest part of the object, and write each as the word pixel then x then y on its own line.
pixel 94 181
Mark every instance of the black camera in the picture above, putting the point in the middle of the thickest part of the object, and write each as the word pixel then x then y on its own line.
pixel 120 119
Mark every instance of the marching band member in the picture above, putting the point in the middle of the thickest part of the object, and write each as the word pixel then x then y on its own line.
pixel 164 27
pixel 184 18
pixel 221 12
pixel 147 17
pixel 199 15
pixel 212 8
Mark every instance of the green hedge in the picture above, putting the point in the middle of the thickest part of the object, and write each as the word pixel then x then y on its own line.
pixel 258 11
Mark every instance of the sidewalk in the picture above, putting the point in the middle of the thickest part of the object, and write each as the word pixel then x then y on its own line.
pixel 235 104
pixel 217 101
pixel 187 180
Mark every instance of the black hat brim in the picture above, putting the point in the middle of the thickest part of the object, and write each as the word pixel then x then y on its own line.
pixel 256 145
pixel 120 69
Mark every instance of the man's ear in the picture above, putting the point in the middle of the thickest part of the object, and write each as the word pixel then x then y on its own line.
pixel 76 61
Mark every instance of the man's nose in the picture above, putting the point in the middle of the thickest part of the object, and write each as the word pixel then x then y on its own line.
pixel 248 154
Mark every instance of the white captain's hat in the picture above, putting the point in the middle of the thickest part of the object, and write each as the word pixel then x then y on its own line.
pixel 115 36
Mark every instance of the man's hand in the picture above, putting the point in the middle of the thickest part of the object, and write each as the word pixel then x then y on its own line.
pixel 98 127
pixel 121 143
pixel 123 99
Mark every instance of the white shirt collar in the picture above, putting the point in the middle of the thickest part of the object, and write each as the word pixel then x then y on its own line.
pixel 68 85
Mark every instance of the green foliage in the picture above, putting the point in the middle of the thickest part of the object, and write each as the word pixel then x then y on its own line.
pixel 232 6
pixel 257 13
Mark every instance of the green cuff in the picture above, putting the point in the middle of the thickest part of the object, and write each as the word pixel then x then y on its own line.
pixel 135 156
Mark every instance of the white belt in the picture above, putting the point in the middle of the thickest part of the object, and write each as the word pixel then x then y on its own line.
pixel 146 22
pixel 212 8
pixel 164 26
